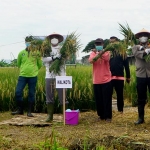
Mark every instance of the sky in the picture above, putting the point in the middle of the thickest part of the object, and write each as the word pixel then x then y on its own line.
pixel 90 19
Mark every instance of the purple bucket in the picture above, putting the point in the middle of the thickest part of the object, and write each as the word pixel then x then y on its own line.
pixel 72 117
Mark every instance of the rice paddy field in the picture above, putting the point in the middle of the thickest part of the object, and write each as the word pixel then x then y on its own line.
pixel 89 134
pixel 79 97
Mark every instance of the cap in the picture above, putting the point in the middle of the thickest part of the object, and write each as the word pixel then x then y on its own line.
pixel 99 40
pixel 113 37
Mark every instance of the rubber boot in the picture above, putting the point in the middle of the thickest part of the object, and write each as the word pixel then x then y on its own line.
pixel 141 115
pixel 19 110
pixel 50 111
pixel 30 105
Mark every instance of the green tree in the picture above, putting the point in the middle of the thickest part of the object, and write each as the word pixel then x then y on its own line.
pixel 89 46
pixel 13 63
pixel 3 63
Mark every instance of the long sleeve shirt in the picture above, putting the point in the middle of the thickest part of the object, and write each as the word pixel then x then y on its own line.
pixel 47 62
pixel 142 67
pixel 56 52
pixel 29 63
pixel 117 66
pixel 101 68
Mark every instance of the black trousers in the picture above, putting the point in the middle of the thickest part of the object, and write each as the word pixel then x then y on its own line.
pixel 142 85
pixel 103 99
pixel 118 85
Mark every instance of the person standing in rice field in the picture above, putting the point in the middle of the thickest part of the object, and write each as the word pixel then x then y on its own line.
pixel 29 64
pixel 55 40
pixel 140 51
pixel 117 65
pixel 102 81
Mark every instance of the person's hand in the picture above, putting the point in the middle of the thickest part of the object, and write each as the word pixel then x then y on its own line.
pixel 128 80
pixel 56 57
pixel 147 51
pixel 100 53
pixel 94 50
pixel 141 48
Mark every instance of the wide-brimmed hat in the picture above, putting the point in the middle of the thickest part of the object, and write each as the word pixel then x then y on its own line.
pixel 99 40
pixel 143 31
pixel 59 36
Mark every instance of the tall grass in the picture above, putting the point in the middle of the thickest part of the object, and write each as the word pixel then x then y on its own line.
pixel 79 97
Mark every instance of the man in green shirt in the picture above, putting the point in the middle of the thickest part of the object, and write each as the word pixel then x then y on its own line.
pixel 29 63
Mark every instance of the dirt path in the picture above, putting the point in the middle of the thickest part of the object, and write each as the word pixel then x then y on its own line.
pixel 121 131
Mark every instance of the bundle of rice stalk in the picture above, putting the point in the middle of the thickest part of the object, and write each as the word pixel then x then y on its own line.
pixel 46 48
pixel 118 47
pixel 147 57
pixel 70 46
pixel 129 36
pixel 38 45
pixel 35 45
pixel 131 40
pixel 29 38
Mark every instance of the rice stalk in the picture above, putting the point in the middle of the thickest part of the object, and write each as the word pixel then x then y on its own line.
pixel 119 48
pixel 69 47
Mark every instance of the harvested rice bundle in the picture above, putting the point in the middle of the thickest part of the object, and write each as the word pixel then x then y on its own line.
pixel 70 46
pixel 29 38
pixel 147 57
pixel 129 36
pixel 131 40
pixel 39 45
pixel 35 45
pixel 118 47
pixel 46 48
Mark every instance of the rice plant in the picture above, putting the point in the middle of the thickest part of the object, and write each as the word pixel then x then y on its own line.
pixel 80 96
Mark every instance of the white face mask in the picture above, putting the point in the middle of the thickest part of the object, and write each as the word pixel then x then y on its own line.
pixel 54 41
pixel 143 39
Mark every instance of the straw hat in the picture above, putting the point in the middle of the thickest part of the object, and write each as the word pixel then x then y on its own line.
pixel 143 31
pixel 59 36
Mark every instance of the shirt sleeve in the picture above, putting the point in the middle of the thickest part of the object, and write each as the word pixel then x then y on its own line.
pixel 39 63
pixel 106 56
pixel 47 59
pixel 137 52
pixel 19 60
pixel 127 68
pixel 92 55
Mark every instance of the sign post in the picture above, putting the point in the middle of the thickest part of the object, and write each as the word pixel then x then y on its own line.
pixel 64 82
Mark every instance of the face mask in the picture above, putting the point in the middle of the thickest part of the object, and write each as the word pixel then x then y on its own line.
pixel 99 48
pixel 143 39
pixel 27 44
pixel 54 41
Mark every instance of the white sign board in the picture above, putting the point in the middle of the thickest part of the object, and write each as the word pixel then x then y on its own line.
pixel 64 82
